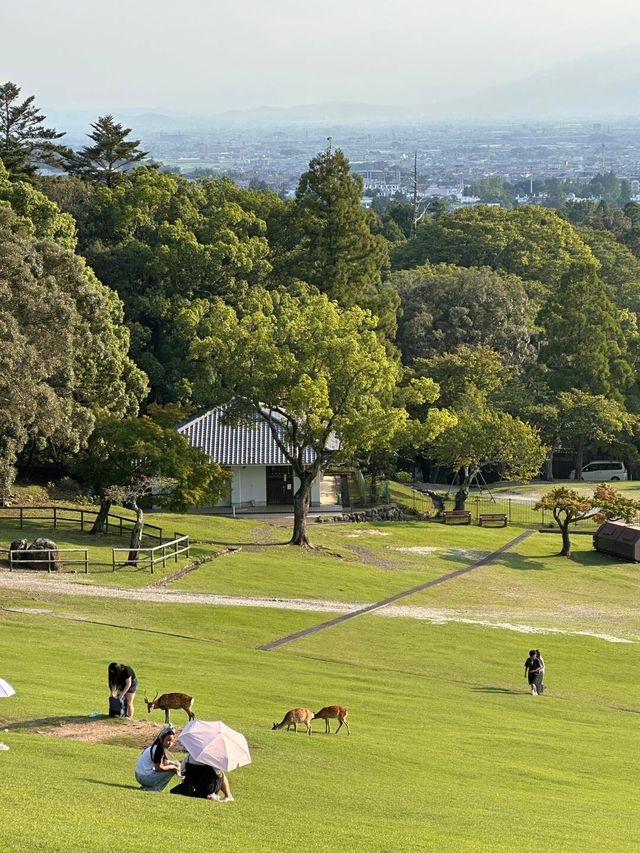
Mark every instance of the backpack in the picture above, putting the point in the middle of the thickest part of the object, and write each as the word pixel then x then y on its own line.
pixel 116 706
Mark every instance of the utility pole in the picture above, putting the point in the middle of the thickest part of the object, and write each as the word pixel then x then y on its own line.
pixel 415 192
pixel 329 141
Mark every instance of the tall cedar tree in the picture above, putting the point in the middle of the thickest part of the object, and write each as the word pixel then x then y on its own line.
pixel 335 249
pixel 112 153
pixel 24 141
pixel 584 344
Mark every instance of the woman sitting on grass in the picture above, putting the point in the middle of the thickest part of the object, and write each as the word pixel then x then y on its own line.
pixel 155 769
pixel 201 780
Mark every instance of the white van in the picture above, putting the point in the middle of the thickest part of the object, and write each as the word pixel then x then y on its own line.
pixel 603 471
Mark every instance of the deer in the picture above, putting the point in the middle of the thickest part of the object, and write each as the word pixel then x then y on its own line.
pixel 333 712
pixel 169 701
pixel 293 717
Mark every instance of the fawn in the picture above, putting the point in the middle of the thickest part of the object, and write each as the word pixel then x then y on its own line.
pixel 169 701
pixel 295 716
pixel 333 712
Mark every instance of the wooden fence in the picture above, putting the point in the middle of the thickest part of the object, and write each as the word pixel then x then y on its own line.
pixel 152 556
pixel 16 562
pixel 84 518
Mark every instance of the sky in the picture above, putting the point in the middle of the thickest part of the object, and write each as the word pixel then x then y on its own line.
pixel 205 56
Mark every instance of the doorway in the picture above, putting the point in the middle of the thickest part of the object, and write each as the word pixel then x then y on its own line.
pixel 279 485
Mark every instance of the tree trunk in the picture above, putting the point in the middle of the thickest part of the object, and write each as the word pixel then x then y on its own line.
pixel 566 542
pixel 301 501
pixel 136 535
pixel 463 492
pixel 101 517
pixel 579 458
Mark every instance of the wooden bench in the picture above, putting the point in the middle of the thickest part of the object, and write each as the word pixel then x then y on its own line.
pixel 457 516
pixel 498 518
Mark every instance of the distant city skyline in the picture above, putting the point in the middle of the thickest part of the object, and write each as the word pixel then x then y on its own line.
pixel 202 57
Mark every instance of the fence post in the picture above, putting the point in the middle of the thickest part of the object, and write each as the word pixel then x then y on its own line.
pixel 82 521
pixel 113 559
pixel 164 556
pixel 21 518
pixel 10 561
pixel 188 547
pixel 509 509
pixel 86 562
pixel 152 561
pixel 49 562
pixel 55 518
pixel 120 525
pixel 175 546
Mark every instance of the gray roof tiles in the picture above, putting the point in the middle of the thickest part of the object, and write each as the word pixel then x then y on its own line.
pixel 235 445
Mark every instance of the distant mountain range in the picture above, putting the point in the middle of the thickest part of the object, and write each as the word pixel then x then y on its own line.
pixel 596 86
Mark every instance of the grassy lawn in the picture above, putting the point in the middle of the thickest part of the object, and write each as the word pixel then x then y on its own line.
pixel 447 750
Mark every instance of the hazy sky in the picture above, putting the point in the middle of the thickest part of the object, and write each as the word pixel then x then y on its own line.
pixel 208 55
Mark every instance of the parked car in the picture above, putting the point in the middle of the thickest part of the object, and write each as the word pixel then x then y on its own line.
pixel 602 471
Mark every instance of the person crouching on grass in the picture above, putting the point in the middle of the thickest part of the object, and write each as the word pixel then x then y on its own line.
pixel 154 769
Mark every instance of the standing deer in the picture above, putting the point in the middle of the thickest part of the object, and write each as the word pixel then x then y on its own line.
pixel 333 712
pixel 293 717
pixel 171 701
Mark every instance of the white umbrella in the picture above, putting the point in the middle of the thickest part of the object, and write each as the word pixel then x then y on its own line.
pixel 215 744
pixel 6 689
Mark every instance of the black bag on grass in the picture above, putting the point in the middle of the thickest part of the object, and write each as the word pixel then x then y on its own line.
pixel 116 706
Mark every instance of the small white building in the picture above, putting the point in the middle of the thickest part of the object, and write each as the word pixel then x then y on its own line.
pixel 261 475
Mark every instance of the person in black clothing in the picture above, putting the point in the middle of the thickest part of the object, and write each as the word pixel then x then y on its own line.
pixel 123 683
pixel 201 780
pixel 533 672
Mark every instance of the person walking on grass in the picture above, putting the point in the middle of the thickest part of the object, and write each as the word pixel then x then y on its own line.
pixel 123 684
pixel 533 671
pixel 540 685
pixel 155 769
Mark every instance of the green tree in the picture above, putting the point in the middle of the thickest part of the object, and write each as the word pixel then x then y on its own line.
pixel 63 348
pixel 569 506
pixel 444 307
pixel 484 437
pixel 24 140
pixel 317 374
pixel 161 242
pixel 583 418
pixel 331 243
pixel 110 155
pixel 531 242
pixel 492 190
pixel 584 344
pixel 126 457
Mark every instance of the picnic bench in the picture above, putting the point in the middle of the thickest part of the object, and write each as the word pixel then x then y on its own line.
pixel 490 518
pixel 456 516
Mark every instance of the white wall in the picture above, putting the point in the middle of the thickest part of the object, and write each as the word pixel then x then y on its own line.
pixel 249 484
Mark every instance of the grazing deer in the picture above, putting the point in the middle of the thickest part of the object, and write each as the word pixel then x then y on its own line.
pixel 171 701
pixel 293 717
pixel 333 712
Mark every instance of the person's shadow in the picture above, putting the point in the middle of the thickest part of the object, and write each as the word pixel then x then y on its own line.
pixel 113 784
pixel 499 690
pixel 48 722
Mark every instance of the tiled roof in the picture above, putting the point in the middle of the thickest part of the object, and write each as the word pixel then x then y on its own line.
pixel 235 445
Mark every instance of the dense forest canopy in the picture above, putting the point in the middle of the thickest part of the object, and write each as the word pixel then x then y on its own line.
pixel 152 290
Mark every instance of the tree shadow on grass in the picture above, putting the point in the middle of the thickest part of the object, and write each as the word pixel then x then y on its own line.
pixel 464 556
pixel 49 722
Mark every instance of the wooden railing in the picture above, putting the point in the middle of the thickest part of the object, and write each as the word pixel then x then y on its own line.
pixel 152 556
pixel 56 515
pixel 16 562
